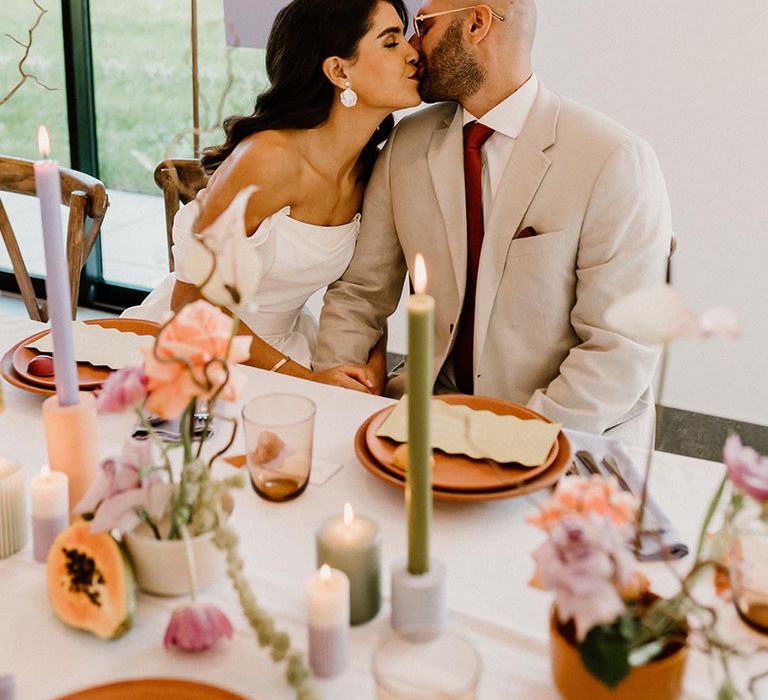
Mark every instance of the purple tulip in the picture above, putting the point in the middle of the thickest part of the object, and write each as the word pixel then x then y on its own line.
pixel 747 470
pixel 196 627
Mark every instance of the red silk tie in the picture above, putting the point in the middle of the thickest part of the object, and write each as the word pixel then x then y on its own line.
pixel 475 135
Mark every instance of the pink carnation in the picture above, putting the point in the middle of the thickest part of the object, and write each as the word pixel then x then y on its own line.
pixel 576 495
pixel 196 628
pixel 586 562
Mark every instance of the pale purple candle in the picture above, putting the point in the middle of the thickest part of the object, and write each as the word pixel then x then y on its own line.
pixel 48 187
pixel 328 618
pixel 50 510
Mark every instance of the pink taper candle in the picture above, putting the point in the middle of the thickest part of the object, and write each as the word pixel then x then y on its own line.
pixel 48 187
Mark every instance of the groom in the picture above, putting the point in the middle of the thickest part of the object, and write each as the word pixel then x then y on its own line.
pixel 533 214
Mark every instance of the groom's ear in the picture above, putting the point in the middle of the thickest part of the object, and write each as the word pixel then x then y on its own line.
pixel 335 71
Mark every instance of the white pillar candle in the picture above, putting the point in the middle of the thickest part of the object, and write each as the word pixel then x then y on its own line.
pixel 328 619
pixel 352 543
pixel 48 188
pixel 50 509
pixel 13 508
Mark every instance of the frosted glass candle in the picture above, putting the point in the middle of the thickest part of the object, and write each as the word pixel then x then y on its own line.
pixel 50 510
pixel 352 544
pixel 13 508
pixel 57 291
pixel 328 621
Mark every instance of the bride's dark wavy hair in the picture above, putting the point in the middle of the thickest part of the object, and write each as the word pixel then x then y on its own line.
pixel 304 34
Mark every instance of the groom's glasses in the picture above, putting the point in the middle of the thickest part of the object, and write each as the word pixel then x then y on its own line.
pixel 418 20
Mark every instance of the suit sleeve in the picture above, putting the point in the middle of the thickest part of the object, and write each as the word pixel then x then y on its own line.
pixel 356 306
pixel 624 245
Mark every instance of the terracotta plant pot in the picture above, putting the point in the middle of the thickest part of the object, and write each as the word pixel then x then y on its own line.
pixel 660 680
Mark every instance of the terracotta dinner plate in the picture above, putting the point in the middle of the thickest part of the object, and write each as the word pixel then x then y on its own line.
pixel 458 472
pixel 153 689
pixel 88 376
pixel 543 479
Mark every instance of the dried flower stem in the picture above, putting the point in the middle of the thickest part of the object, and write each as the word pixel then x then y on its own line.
pixel 297 675
pixel 26 47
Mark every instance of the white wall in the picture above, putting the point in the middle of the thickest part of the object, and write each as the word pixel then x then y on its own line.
pixel 691 77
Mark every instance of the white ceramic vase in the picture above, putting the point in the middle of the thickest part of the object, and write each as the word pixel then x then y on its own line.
pixel 160 566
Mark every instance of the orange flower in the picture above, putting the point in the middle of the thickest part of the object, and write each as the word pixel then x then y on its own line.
pixel 176 367
pixel 575 495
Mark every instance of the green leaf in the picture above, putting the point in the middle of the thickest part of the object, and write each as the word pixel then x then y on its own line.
pixel 605 655
pixel 727 691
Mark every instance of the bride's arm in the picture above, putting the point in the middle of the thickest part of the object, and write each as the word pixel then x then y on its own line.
pixel 264 356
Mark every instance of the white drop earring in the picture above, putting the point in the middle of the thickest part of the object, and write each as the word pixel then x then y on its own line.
pixel 348 96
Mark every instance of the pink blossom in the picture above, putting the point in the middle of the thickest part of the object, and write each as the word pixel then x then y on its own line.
pixel 658 315
pixel 120 490
pixel 747 470
pixel 124 389
pixel 576 495
pixel 196 627
pixel 585 561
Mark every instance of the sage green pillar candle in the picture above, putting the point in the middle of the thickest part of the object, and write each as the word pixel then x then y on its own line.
pixel 352 543
pixel 418 484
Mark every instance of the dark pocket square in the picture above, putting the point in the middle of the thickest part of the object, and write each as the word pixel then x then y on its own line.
pixel 527 232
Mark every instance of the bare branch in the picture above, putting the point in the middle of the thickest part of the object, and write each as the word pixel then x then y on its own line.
pixel 26 47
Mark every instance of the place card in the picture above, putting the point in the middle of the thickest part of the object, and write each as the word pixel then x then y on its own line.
pixel 459 429
pixel 101 347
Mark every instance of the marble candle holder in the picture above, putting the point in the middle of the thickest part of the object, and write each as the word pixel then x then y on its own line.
pixel 419 605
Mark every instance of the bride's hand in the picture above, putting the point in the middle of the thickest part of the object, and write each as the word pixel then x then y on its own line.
pixel 357 377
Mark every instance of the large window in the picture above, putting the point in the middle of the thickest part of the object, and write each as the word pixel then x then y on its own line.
pixel 28 107
pixel 140 79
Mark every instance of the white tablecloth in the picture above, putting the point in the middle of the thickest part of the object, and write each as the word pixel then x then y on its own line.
pixel 485 546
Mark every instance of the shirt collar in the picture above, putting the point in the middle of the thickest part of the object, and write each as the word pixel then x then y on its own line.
pixel 509 116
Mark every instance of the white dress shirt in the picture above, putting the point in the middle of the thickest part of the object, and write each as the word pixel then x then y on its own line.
pixel 507 120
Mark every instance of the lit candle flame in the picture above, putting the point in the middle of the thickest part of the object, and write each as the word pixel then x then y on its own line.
pixel 45 471
pixel 43 142
pixel 349 514
pixel 419 275
pixel 325 573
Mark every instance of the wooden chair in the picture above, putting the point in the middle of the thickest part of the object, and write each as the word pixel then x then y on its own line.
pixel 86 198
pixel 180 179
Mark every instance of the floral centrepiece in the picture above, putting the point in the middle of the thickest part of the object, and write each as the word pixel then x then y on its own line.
pixel 190 367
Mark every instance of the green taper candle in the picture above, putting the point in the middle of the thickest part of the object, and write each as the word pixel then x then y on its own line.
pixel 418 486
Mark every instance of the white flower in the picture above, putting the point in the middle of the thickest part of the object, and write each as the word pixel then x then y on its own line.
pixel 226 258
pixel 658 315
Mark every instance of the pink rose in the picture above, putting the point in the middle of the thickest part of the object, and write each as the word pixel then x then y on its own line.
pixel 124 389
pixel 192 358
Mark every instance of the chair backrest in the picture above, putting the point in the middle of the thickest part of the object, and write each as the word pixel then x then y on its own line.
pixel 86 198
pixel 180 179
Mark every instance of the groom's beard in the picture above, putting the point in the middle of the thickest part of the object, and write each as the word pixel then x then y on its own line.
pixel 450 73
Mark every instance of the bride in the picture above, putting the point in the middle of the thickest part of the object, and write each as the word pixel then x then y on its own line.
pixel 337 70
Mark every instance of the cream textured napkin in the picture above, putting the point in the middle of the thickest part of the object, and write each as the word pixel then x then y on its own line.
pixel 101 347
pixel 459 429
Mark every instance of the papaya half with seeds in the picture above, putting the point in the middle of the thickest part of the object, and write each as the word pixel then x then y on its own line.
pixel 90 582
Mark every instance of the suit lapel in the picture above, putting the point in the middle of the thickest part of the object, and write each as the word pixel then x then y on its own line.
pixel 522 176
pixel 448 181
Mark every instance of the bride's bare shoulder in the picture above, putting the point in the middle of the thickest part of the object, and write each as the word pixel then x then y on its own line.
pixel 270 160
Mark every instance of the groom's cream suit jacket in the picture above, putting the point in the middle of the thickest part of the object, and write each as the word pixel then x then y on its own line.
pixel 596 197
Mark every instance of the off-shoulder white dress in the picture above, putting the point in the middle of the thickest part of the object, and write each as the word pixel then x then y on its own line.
pixel 297 259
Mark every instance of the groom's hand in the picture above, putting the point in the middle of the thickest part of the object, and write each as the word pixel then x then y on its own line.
pixel 357 377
